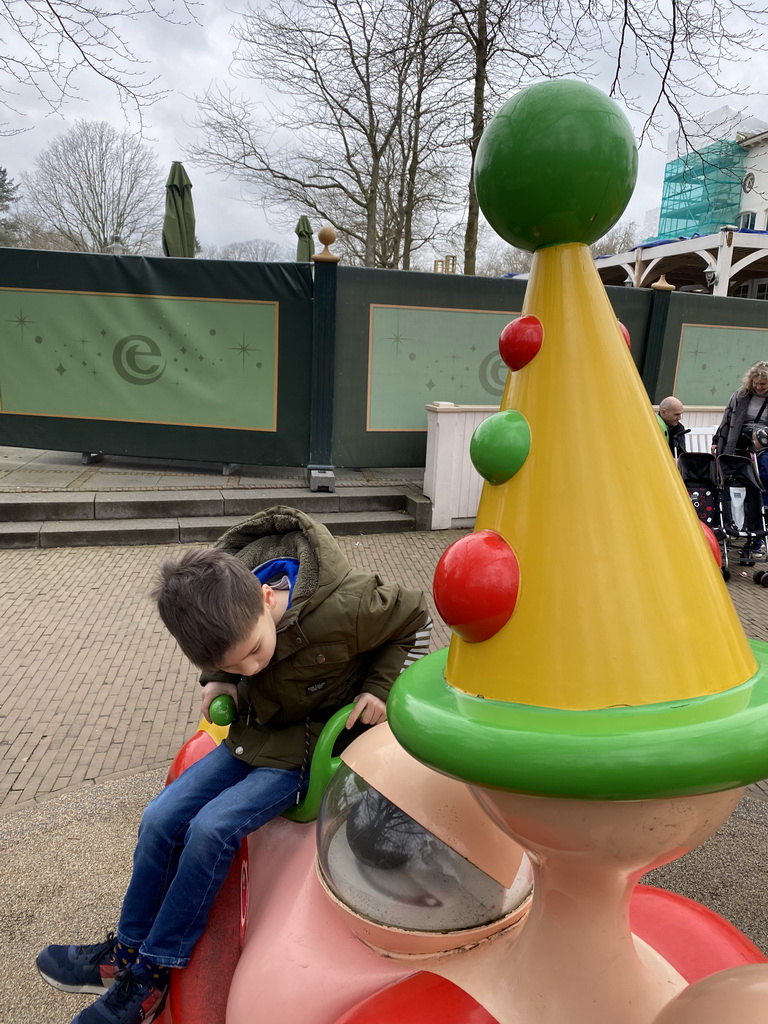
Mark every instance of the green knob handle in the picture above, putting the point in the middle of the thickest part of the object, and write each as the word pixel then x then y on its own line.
pixel 222 710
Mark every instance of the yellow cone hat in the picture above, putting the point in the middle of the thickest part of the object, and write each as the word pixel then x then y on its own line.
pixel 620 600
pixel 596 652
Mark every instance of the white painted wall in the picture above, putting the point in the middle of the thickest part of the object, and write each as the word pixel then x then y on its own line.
pixel 454 485
pixel 756 162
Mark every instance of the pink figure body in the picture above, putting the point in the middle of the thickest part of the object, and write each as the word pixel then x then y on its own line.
pixel 308 958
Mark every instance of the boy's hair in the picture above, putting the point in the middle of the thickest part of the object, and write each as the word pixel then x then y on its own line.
pixel 209 601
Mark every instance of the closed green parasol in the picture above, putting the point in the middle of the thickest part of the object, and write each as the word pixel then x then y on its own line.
pixel 305 246
pixel 179 220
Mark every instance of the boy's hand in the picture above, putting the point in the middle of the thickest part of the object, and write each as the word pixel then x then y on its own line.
pixel 214 689
pixel 369 710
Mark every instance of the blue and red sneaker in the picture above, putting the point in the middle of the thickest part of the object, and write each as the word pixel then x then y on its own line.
pixel 136 998
pixel 80 968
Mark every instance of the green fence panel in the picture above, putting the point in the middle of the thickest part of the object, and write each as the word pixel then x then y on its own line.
pixel 187 359
pixel 632 307
pixel 404 340
pixel 709 344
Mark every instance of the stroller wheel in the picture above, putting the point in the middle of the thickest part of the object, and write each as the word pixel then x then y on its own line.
pixel 759 575
pixel 726 574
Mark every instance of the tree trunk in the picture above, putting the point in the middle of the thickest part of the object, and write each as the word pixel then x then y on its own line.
pixel 371 219
pixel 481 45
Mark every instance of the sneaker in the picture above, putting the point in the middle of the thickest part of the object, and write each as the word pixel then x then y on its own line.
pixel 135 999
pixel 80 968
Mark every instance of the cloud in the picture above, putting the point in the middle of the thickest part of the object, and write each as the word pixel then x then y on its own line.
pixel 185 58
pixel 188 57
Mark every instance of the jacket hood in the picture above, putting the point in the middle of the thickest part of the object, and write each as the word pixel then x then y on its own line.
pixel 283 532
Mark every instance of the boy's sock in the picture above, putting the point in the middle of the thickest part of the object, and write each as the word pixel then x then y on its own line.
pixel 129 956
pixel 154 973
pixel 126 955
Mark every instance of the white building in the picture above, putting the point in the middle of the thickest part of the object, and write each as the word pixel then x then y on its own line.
pixel 712 232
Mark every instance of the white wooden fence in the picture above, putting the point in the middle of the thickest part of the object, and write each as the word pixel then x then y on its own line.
pixel 453 484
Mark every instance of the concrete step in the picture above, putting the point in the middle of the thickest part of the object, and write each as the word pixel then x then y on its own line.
pixel 64 506
pixel 196 529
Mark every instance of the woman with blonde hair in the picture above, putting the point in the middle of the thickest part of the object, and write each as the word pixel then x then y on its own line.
pixel 746 408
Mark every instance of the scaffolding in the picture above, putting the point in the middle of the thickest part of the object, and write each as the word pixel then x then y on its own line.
pixel 702 191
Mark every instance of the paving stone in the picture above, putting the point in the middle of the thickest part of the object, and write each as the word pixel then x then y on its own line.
pixel 117 480
pixel 29 478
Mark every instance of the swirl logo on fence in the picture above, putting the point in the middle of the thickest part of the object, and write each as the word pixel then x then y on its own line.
pixel 138 360
pixel 493 374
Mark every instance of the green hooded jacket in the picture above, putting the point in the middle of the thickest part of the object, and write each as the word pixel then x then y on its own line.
pixel 345 633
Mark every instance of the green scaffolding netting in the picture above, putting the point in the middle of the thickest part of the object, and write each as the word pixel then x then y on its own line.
pixel 702 191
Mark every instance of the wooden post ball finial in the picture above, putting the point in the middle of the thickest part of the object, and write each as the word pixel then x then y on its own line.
pixel 326 236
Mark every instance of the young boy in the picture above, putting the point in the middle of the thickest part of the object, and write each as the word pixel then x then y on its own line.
pixel 276 618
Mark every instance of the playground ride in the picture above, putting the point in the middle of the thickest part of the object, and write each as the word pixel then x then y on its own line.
pixel 573 732
pixel 601 733
pixel 403 903
pixel 403 859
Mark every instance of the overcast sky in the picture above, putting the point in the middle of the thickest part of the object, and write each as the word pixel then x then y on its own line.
pixel 187 58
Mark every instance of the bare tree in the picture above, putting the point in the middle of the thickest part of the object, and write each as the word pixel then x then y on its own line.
pixel 256 250
pixel 44 44
pixel 497 259
pixel 621 238
pixel 378 107
pixel 354 82
pixel 32 232
pixel 661 58
pixel 422 158
pixel 506 44
pixel 93 185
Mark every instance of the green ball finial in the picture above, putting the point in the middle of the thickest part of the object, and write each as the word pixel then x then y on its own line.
pixel 556 164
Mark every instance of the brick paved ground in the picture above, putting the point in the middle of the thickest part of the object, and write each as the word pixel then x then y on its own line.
pixel 92 684
pixel 94 687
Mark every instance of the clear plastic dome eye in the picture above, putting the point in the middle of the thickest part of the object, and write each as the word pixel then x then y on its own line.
pixel 389 869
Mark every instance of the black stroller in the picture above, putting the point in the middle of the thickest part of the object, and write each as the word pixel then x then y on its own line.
pixel 709 480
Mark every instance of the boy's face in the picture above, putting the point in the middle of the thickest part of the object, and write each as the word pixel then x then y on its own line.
pixel 251 654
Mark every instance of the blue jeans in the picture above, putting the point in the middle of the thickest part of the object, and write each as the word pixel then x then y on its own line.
pixel 188 838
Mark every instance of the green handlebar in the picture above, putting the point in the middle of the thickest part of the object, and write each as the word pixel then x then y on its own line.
pixel 222 710
pixel 322 768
